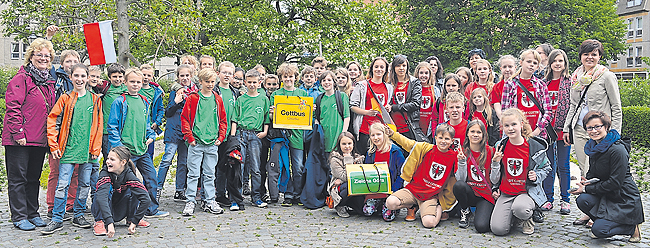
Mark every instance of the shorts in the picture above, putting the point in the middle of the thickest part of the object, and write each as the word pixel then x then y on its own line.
pixel 427 207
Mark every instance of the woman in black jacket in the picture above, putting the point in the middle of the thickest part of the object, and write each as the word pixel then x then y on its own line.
pixel 613 202
pixel 405 106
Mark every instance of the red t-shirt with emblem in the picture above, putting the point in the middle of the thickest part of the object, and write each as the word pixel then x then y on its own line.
pixel 479 116
pixel 531 112
pixel 459 136
pixel 471 87
pixel 382 156
pixel 382 93
pixel 426 107
pixel 515 169
pixel 554 94
pixel 497 93
pixel 432 173
pixel 400 98
pixel 482 188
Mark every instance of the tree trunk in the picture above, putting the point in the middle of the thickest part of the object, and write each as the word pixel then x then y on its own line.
pixel 122 32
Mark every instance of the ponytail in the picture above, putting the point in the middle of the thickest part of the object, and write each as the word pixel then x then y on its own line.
pixel 123 153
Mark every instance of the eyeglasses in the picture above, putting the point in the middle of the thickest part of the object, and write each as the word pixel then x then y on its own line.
pixel 272 84
pixel 594 128
pixel 45 56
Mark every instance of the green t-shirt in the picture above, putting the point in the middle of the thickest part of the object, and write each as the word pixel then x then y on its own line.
pixel 134 133
pixel 331 119
pixel 296 139
pixel 206 121
pixel 148 93
pixel 229 104
pixel 110 96
pixel 77 148
pixel 251 113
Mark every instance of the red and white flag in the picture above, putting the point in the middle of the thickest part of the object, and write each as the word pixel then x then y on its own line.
pixel 99 42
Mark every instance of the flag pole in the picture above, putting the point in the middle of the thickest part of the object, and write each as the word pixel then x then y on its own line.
pixel 78 25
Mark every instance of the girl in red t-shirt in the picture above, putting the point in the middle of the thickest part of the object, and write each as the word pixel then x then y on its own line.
pixel 479 109
pixel 485 78
pixel 518 169
pixel 382 150
pixel 425 74
pixel 473 187
pixel 465 75
pixel 404 109
pixel 508 66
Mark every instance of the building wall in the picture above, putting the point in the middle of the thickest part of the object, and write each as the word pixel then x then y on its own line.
pixel 636 14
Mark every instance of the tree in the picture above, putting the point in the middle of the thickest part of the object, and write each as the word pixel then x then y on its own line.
pixel 450 28
pixel 273 32
pixel 144 27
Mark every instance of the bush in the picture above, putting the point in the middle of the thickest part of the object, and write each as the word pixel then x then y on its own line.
pixel 3 110
pixel 635 124
pixel 635 92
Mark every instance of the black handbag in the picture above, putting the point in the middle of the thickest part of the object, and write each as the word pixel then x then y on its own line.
pixel 582 99
pixel 552 135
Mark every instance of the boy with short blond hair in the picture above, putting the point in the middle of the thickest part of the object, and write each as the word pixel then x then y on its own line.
pixel 252 119
pixel 288 73
pixel 154 95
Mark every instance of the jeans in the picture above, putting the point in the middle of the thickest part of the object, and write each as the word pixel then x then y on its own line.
pixel 201 159
pixel 294 189
pixel 466 198
pixel 559 157
pixel 60 197
pixel 24 165
pixel 181 164
pixel 145 166
pixel 94 176
pixel 52 180
pixel 150 149
pixel 251 147
pixel 602 228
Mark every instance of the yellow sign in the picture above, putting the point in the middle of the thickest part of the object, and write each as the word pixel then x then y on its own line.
pixel 292 112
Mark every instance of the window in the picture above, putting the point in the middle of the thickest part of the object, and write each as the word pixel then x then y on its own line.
pixel 637 2
pixel 639 26
pixel 15 50
pixel 639 53
pixel 630 57
pixel 630 28
pixel 630 3
pixel 25 46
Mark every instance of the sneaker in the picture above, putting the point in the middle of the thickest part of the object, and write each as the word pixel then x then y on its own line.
pixel 189 208
pixel 213 208
pixel 223 201
pixel 528 227
pixel 287 203
pixel 37 221
pixel 260 204
pixel 234 207
pixel 464 218
pixel 387 214
pixel 142 223
pixel 297 202
pixel 445 216
pixel 246 190
pixel 565 208
pixel 266 198
pixel 342 212
pixel 158 214
pixel 179 196
pixel 81 222
pixel 52 227
pixel 546 206
pixel 24 225
pixel 272 201
pixel 369 207
pixel 99 229
pixel 410 214
pixel 538 216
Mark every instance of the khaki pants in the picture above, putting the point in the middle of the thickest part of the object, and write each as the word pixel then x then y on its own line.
pixel 507 206
pixel 580 138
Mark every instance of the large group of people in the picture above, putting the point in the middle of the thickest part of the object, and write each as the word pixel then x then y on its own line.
pixel 485 141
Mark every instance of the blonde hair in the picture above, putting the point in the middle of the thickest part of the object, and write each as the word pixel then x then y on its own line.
pixel 348 84
pixel 146 67
pixel 287 69
pixel 67 53
pixel 132 70
pixel 385 147
pixel 523 55
pixel 192 60
pixel 490 79
pixel 94 68
pixel 455 97
pixel 226 64
pixel 500 63
pixel 526 131
pixel 486 103
pixel 432 78
pixel 206 74
pixel 36 46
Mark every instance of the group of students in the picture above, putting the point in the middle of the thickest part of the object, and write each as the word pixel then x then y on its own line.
pixel 467 139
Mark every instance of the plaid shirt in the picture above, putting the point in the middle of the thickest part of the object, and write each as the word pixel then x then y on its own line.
pixel 509 100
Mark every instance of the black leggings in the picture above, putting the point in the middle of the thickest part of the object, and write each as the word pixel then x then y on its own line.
pixel 363 144
pixel 466 198
pixel 355 202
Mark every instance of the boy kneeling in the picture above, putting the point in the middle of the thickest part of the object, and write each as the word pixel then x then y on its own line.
pixel 427 170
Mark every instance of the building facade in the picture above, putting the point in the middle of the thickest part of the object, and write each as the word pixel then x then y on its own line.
pixel 636 15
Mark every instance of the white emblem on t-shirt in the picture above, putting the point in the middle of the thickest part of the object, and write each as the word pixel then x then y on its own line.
pixel 515 166
pixel 426 102
pixel 474 174
pixel 525 101
pixel 437 171
pixel 555 97
pixel 400 97
pixel 382 99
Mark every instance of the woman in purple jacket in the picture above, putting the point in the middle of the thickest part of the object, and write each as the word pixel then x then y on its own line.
pixel 30 96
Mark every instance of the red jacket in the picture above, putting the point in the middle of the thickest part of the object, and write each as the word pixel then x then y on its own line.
pixel 189 112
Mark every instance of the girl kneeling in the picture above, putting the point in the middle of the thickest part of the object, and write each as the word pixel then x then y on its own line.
pixel 518 169
pixel 344 153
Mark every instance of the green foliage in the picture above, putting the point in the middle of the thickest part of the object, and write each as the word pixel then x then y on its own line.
pixel 3 173
pixel 635 124
pixel 45 173
pixel 635 92
pixel 451 28
pixel 6 74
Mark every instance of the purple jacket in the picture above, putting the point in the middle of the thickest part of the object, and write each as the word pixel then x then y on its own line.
pixel 27 110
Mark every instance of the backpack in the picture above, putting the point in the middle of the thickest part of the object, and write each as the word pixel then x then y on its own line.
pixel 339 104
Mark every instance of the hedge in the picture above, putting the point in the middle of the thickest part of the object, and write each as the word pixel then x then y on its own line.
pixel 636 121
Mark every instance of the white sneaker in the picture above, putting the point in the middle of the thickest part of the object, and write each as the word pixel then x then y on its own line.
pixel 189 208
pixel 528 226
pixel 213 207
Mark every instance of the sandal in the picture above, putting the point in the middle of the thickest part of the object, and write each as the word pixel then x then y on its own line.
pixel 636 237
